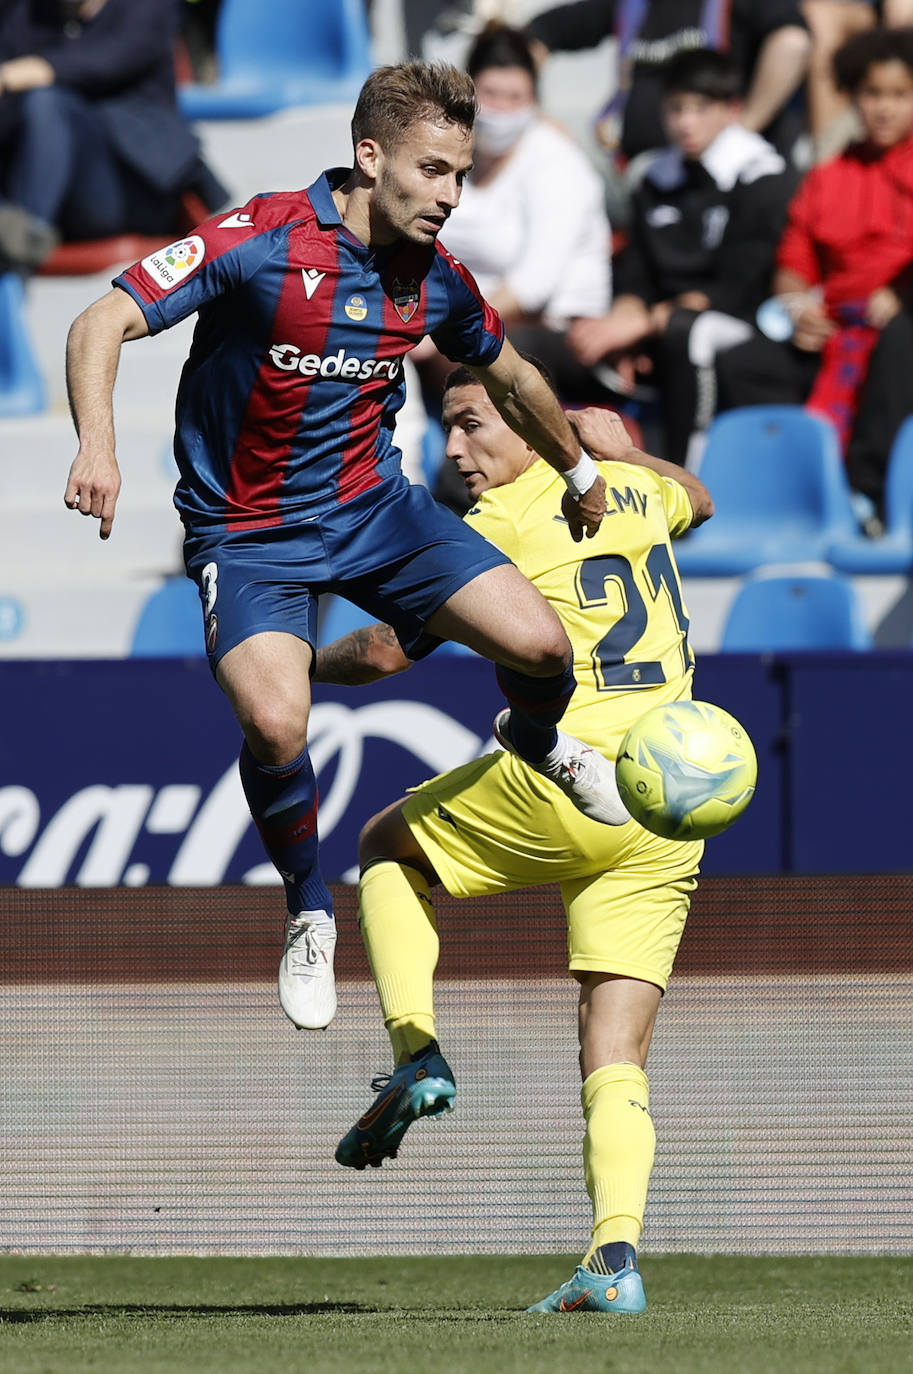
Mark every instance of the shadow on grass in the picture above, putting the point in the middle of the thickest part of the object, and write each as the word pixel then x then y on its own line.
pixel 128 1309
pixel 21 1316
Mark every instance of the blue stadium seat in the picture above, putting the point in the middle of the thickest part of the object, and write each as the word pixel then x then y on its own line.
pixel 275 55
pixel 171 623
pixel 893 552
pixel 22 389
pixel 795 611
pixel 780 491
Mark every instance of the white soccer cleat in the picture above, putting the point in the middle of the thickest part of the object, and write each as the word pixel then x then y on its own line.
pixel 307 987
pixel 584 776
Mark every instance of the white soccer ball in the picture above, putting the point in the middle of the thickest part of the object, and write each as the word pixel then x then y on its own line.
pixel 686 770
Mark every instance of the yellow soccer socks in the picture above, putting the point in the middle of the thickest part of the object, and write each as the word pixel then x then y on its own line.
pixel 618 1150
pixel 400 935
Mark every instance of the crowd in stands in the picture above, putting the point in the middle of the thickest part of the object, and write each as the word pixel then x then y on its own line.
pixel 755 164
pixel 531 226
pixel 845 267
pixel 702 234
pixel 755 168
pixel 92 143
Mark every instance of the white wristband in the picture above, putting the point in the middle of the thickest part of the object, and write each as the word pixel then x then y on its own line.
pixel 580 478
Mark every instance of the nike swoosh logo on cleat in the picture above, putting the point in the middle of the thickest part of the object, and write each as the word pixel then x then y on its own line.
pixel 371 1116
pixel 578 1302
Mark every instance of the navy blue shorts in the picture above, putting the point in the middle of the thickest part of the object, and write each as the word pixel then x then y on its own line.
pixel 393 551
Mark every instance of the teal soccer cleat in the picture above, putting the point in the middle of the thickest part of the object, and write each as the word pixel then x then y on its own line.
pixel 621 1292
pixel 422 1087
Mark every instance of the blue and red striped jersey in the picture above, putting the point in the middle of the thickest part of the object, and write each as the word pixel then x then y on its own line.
pixel 287 400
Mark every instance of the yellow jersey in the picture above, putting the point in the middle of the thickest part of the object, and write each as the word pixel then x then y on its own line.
pixel 618 595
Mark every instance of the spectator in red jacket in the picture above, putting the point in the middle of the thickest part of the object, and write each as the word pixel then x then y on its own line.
pixel 831 24
pixel 845 263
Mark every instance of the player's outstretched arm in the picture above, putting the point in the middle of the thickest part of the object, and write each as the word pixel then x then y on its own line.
pixel 93 352
pixel 527 403
pixel 602 433
pixel 363 655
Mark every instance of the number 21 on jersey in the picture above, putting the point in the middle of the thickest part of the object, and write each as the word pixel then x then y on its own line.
pixel 615 662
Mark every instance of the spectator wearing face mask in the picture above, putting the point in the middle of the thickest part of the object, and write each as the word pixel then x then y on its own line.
pixel 531 224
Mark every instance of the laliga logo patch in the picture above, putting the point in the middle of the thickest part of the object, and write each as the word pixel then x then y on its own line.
pixel 405 298
pixel 169 265
pixel 356 307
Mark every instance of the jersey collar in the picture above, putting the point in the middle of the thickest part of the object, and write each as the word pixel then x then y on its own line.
pixel 320 194
pixel 321 197
pixel 328 216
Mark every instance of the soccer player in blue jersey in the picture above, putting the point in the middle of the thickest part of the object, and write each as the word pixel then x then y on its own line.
pixel 290 484
pixel 489 826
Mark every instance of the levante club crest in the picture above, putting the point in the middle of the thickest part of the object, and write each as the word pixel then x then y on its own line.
pixel 405 298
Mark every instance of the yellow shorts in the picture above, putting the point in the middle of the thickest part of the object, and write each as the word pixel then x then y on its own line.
pixel 495 825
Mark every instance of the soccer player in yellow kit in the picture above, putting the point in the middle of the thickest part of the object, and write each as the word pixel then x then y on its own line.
pixel 493 825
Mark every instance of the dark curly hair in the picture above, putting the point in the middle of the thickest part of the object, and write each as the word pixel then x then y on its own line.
pixel 853 59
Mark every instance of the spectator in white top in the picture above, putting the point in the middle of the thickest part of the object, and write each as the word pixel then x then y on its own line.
pixel 531 225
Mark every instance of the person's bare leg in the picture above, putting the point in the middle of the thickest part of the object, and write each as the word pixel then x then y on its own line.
pixel 616 1017
pixel 266 681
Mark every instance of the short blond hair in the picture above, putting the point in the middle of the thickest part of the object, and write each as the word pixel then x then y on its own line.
pixel 394 98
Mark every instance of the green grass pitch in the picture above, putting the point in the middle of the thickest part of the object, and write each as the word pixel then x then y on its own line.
pixel 735 1315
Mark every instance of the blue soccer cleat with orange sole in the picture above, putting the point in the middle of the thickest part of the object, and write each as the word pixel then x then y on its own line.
pixel 621 1292
pixel 422 1087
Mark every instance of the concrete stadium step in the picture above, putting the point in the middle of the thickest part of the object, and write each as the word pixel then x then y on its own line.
pixel 59 543
pixel 149 368
pixel 39 449
pixel 78 616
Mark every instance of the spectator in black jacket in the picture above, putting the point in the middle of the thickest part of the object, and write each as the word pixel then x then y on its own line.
pixel 707 218
pixel 91 140
pixel 768 42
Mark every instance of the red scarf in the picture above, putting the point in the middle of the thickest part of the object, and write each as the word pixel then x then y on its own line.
pixel 844 365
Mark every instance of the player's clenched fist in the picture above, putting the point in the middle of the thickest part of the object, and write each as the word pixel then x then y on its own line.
pixel 584 513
